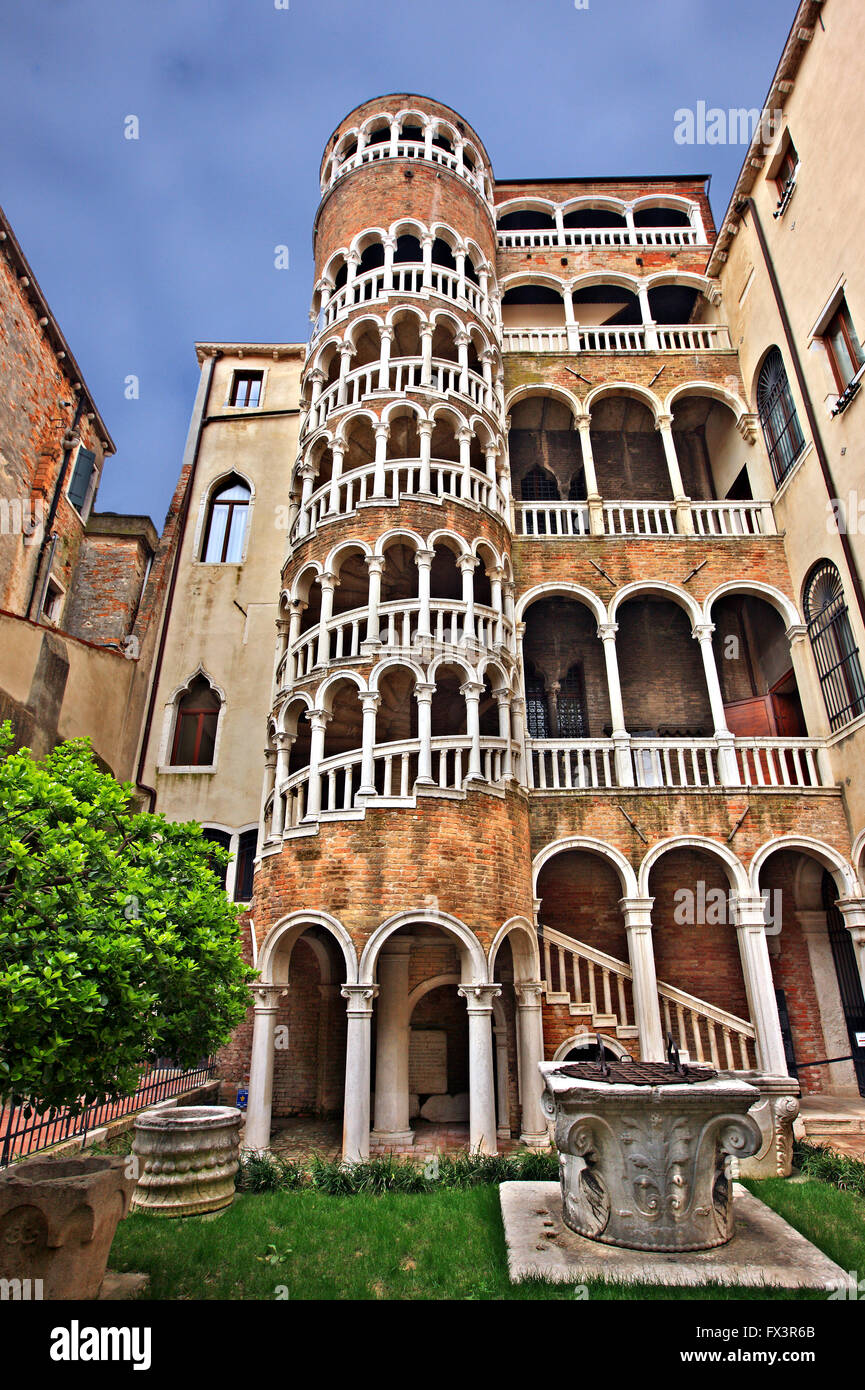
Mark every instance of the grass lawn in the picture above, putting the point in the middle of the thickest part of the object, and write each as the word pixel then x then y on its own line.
pixel 446 1244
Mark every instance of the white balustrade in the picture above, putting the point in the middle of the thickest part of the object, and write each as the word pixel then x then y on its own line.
pixel 405 149
pixel 407 281
pixel 551 519
pixel 632 518
pixel 639 519
pixel 675 764
pixel 733 519
pixel 330 502
pixel 598 236
pixel 403 374
pixel 598 988
pixel 688 337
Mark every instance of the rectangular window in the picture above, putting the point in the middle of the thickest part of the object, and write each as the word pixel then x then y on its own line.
pixel 843 346
pixel 246 389
pixel 247 843
pixel 53 603
pixel 82 473
pixel 786 171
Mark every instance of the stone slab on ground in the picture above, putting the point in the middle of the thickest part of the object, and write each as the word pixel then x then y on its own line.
pixel 764 1252
pixel 117 1286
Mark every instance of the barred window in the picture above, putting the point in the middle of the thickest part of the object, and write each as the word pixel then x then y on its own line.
pixel 835 650
pixel 571 705
pixel 778 418
pixel 537 715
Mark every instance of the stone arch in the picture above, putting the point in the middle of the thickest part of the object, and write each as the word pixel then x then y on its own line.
pixel 858 856
pixel 841 870
pixel 524 949
pixel 337 555
pixel 656 588
pixel 625 388
pixel 707 388
pixel 427 987
pixel 324 696
pixel 588 844
pixel 297 697
pixel 389 664
pixel 399 534
pixel 605 204
pixel 286 932
pixel 732 865
pixel 757 589
pixel 605 277
pixel 585 1036
pixel 473 958
pixel 562 589
pixel 558 393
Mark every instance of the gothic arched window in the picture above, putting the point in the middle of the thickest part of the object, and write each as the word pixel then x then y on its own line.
pixel 835 650
pixel 537 714
pixel 195 725
pixel 227 519
pixel 778 418
pixel 571 705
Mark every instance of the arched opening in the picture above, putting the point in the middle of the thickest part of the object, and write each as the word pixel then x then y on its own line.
pixel 404 438
pixel 195 725
pixel 443 255
pixel 352 591
pixel 227 521
pixel 674 303
pixel 566 682
pixel 399 579
pixel 661 217
pixel 526 219
pixel 833 644
pixel 448 715
pixel 664 691
pixel 817 985
pixel 309 1038
pixel 610 305
pixel 755 668
pixel 533 306
pixel 709 449
pixel 542 440
pixel 343 734
pixel 360 444
pixel 628 451
pixel 584 217
pixel 446 580
pixel 408 250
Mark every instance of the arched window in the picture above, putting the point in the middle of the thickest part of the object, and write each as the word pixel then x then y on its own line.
pixel 195 725
pixel 539 486
pixel 226 523
pixel 835 650
pixel 778 418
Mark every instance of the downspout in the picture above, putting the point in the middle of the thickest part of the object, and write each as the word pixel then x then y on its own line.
pixel 163 636
pixel 55 503
pixel 825 469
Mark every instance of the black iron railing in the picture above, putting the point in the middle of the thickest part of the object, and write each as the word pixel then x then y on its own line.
pixel 23 1131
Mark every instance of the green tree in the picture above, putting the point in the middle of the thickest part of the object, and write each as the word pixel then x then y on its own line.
pixel 117 942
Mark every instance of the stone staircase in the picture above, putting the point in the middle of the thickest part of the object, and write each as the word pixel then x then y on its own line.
pixel 597 989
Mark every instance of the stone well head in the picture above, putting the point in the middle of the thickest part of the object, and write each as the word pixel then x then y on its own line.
pixel 643 1150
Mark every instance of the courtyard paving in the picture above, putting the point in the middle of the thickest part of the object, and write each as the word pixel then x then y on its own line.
pixel 302 1137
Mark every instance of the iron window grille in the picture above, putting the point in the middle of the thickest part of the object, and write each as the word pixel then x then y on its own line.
pixel 835 650
pixel 778 418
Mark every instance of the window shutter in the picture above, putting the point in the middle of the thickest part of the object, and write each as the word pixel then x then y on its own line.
pixel 83 472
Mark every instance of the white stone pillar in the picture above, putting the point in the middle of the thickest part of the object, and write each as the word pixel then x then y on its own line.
pixel 298 608
pixel 268 784
pixel 467 564
pixel 572 328
pixel 258 1110
pixel 391 1050
pixel 337 450
pixel 465 436
pixel 319 720
pixel 559 216
pixel 518 719
pixel 423 559
pixel 647 320
pixel 482 1101
pixel 503 699
pixel 426 243
pixel 307 485
pixel 355 1123
pixel 370 702
pixel 748 914
pixel 728 766
pixel 379 479
pixel 495 577
pixel 684 520
pixel 530 1032
pixel 426 344
pixel 284 744
pixel 328 583
pixel 637 913
pixel 593 497
pixel 471 692
pixel 375 565
pixel 462 345
pixel 346 353
pixel 621 737
pixel 425 429
pixel 853 912
pixel 386 336
pixel 389 244
pixel 423 693
pixel 500 1043
pixel 815 929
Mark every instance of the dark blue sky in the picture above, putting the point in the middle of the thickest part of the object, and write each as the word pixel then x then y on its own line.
pixel 143 247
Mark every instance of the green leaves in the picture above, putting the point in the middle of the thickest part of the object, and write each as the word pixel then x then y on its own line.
pixel 117 942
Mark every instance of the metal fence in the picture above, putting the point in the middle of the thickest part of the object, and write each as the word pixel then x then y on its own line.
pixel 23 1133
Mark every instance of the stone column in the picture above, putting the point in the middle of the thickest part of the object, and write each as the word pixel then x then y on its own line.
pixel 461 341
pixel 482 1101
pixel 500 1042
pixel 326 1100
pixel 283 749
pixel 530 1031
pixel 426 246
pixel 389 244
pixel 621 737
pixel 425 429
pixel 298 608
pixel 471 692
pixel 337 450
pixel 853 912
pixel 464 436
pixel 260 1101
pixel 346 353
pixel 664 426
pixel 759 986
pixel 267 786
pixel 328 583
pixel 319 720
pixel 379 478
pixel 392 1039
pixel 503 698
pixel 593 497
pixel 423 693
pixel 355 1124
pixel 426 341
pixel 387 336
pixel 423 559
pixel 646 316
pixel 370 701
pixel 467 564
pixel 572 328
pixel 641 956
pixel 727 764
pixel 375 565
pixel 518 717
pixel 307 485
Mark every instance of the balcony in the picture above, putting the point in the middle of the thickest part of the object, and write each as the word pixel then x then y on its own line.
pixel 685 337
pixel 403 280
pixel 578 237
pixel 694 764
pixel 405 149
pixel 398 377
pixel 543 520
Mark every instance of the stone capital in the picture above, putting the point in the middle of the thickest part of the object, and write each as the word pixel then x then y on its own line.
pixel 529 993
pixel 374 563
pixel 267 997
pixel 479 998
pixel 359 999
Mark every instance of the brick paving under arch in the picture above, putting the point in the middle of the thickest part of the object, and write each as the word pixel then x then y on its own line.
pixel 302 1137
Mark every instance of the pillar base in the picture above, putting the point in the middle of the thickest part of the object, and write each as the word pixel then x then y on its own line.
pixel 535 1141
pixel 402 1137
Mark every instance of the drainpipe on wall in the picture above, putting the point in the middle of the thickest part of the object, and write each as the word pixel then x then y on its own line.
pixel 181 532
pixel 825 469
